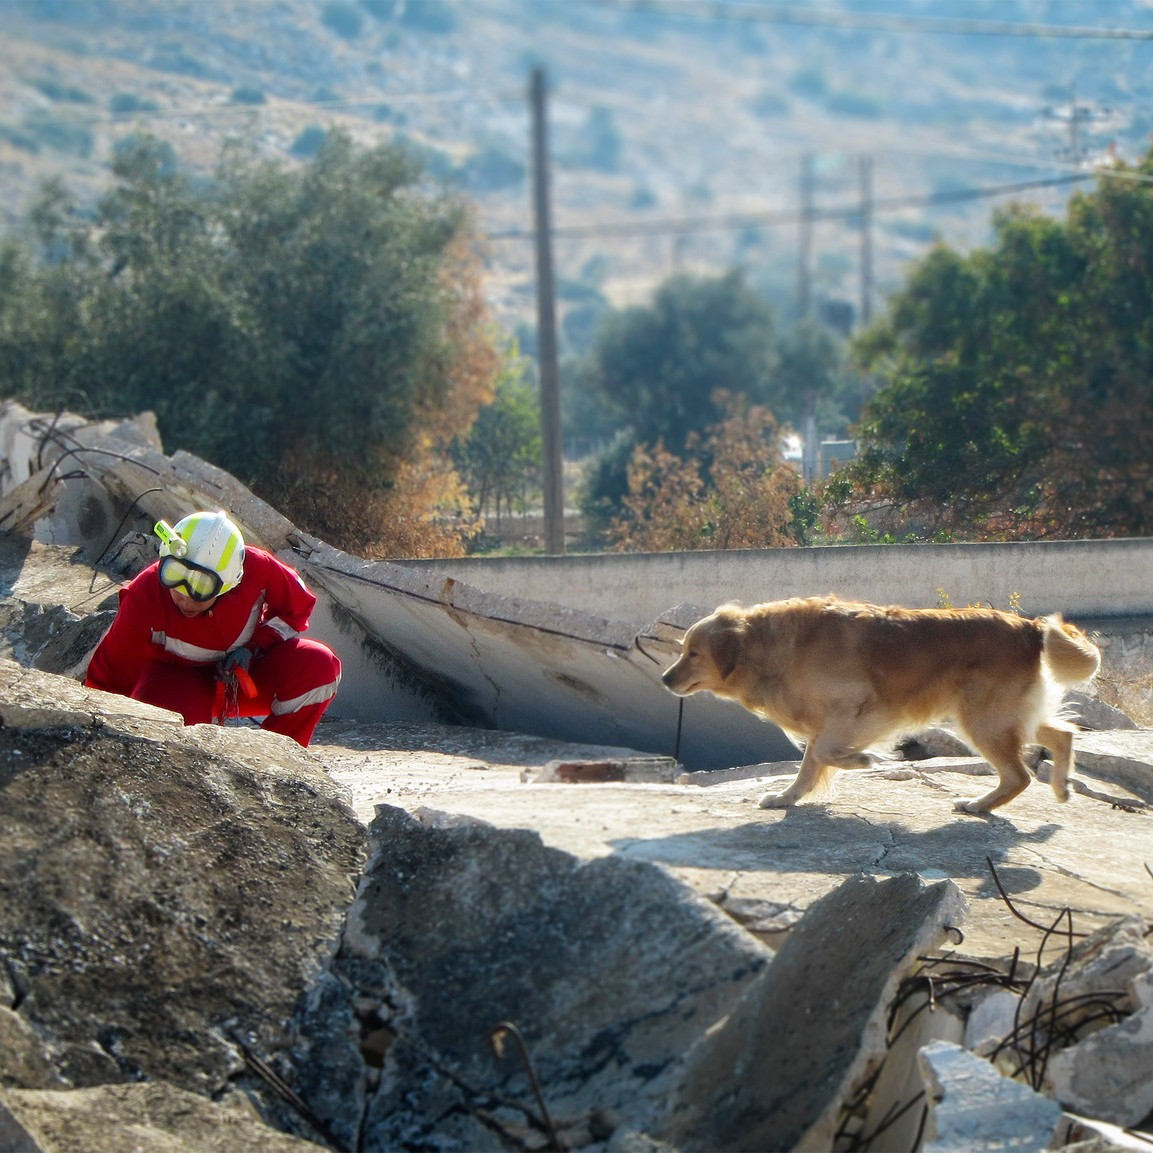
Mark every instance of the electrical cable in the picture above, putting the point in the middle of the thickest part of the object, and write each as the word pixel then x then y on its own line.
pixel 687 225
pixel 865 21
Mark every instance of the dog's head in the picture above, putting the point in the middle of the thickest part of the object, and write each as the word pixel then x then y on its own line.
pixel 710 653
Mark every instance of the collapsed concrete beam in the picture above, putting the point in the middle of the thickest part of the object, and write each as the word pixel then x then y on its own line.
pixel 87 484
pixel 777 1072
pixel 538 667
pixel 610 969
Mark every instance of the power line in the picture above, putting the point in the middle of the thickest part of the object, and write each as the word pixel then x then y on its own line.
pixel 866 21
pixel 244 108
pixel 733 221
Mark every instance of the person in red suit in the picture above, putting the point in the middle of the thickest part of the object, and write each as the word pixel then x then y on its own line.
pixel 212 629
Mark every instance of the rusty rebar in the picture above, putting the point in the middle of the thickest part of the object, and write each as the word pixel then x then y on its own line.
pixel 496 1039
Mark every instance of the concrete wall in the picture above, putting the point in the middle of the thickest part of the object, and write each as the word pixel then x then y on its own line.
pixel 1082 579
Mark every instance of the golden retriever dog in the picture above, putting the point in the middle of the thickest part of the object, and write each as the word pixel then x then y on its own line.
pixel 842 676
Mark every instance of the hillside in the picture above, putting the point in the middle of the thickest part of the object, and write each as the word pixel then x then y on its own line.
pixel 684 133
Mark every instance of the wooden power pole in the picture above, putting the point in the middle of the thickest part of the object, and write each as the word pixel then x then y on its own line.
pixel 805 245
pixel 551 446
pixel 866 184
pixel 804 306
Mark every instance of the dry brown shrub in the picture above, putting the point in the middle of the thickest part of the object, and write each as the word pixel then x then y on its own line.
pixel 744 503
pixel 418 506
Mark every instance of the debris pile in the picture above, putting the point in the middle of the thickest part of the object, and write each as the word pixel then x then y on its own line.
pixel 212 938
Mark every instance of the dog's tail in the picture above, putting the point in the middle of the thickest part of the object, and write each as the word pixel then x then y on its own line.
pixel 1069 654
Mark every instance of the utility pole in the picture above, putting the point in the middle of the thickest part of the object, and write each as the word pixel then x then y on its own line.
pixel 865 173
pixel 805 245
pixel 804 305
pixel 551 464
pixel 1077 115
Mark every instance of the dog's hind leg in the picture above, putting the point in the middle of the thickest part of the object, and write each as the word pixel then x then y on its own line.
pixel 1003 752
pixel 1059 742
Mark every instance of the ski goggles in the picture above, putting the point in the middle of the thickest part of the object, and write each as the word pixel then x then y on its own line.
pixel 198 582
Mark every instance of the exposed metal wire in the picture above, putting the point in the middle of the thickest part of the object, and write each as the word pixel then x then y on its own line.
pixel 1012 909
pixel 496 1039
pixel 286 1093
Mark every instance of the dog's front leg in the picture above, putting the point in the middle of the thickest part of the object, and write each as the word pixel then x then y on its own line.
pixel 813 778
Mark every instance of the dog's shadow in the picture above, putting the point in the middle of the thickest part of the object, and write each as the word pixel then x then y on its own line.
pixel 814 839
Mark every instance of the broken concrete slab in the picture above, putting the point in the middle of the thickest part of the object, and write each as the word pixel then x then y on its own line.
pixel 1086 1023
pixel 776 1072
pixel 124 483
pixel 1124 757
pixel 1088 855
pixel 118 1118
pixel 1087 1135
pixel 893 1112
pixel 973 1107
pixel 1094 714
pixel 611 969
pixel 535 667
pixel 14 1138
pixel 159 885
pixel 1109 1074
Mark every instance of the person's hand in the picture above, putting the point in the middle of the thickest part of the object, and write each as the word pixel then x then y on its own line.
pixel 236 659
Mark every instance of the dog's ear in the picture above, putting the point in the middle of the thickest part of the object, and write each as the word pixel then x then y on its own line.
pixel 725 648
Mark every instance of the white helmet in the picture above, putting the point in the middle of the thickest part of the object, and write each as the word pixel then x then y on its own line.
pixel 210 542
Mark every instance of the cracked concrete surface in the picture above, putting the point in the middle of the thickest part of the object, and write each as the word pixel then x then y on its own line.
pixel 1089 855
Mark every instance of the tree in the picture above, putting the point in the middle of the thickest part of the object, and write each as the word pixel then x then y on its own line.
pixel 813 379
pixel 499 458
pixel 1016 397
pixel 747 501
pixel 320 332
pixel 660 365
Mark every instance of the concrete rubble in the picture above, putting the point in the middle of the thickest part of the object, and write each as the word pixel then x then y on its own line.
pixel 211 939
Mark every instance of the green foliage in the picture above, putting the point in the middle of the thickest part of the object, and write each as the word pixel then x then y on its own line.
pixel 248 95
pixel 56 90
pixel 1015 397
pixel 659 365
pixel 309 141
pixel 813 376
pixel 346 20
pixel 436 16
pixel 59 134
pixel 379 9
pixel 499 459
pixel 605 484
pixel 855 104
pixel 493 168
pixel 599 144
pixel 282 323
pixel 19 138
pixel 809 82
pixel 126 103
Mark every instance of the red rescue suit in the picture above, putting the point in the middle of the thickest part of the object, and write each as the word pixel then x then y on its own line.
pixel 155 654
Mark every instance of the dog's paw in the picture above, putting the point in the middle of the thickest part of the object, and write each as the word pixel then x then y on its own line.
pixel 776 801
pixel 973 807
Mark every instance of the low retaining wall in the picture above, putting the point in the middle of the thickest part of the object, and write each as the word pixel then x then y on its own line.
pixel 1082 579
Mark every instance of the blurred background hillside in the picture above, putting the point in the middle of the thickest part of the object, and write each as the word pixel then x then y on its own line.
pixel 678 129
pixel 901 242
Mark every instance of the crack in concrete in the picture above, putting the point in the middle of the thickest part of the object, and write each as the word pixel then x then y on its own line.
pixel 1062 871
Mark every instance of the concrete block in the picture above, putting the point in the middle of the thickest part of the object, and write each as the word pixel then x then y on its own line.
pixel 1109 1074
pixel 992 1019
pixel 972 1107
pixel 775 1073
